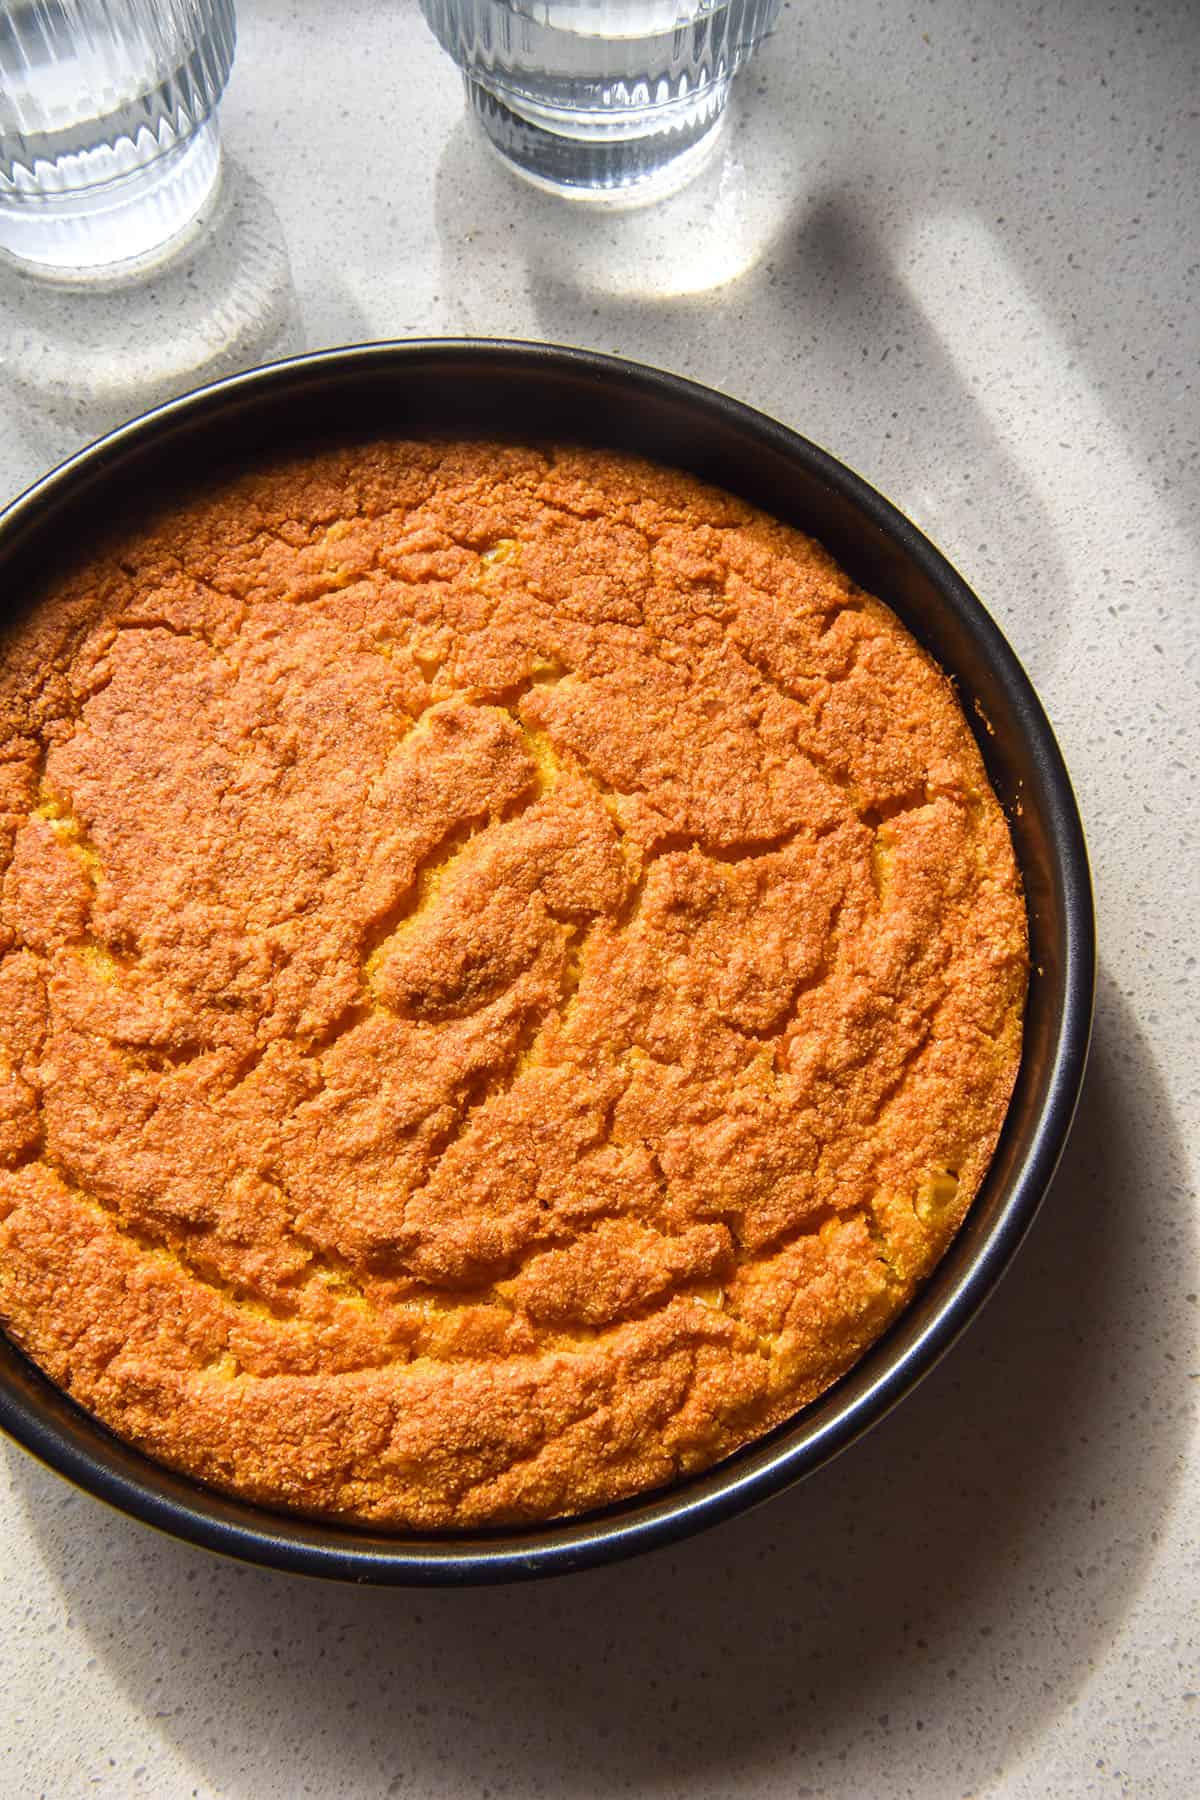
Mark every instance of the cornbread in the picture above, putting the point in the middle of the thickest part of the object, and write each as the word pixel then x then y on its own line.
pixel 512 976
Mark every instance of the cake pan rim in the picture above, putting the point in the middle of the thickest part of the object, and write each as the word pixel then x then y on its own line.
pixel 47 1423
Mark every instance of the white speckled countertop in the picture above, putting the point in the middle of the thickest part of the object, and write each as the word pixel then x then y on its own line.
pixel 955 244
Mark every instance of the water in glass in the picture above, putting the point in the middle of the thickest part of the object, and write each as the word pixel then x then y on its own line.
pixel 588 96
pixel 108 131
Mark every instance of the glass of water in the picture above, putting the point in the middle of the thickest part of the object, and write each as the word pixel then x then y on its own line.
pixel 108 128
pixel 599 96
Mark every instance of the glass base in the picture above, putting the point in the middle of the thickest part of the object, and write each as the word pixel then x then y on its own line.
pixel 629 157
pixel 117 221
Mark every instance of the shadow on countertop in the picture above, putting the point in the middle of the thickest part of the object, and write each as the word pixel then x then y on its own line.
pixel 744 256
pixel 82 355
pixel 960 256
pixel 953 1576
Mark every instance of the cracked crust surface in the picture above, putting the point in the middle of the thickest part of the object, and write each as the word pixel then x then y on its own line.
pixel 512 975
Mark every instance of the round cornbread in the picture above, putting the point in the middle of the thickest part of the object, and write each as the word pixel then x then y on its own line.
pixel 512 975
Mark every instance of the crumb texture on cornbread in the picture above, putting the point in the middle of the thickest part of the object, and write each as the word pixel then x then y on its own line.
pixel 512 975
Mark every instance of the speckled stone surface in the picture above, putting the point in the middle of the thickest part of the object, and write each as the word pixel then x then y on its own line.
pixel 956 245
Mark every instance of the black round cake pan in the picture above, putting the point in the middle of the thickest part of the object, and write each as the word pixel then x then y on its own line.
pixel 535 392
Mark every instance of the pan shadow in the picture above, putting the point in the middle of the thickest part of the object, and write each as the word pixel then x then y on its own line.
pixel 920 1586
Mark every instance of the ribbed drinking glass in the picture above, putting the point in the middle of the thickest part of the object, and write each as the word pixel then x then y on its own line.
pixel 108 128
pixel 591 96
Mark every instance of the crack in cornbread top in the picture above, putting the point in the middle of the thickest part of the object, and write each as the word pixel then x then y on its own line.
pixel 512 974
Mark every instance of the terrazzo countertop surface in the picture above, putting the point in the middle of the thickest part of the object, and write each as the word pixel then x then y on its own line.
pixel 957 246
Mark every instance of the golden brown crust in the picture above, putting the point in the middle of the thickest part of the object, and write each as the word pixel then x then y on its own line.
pixel 512 974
